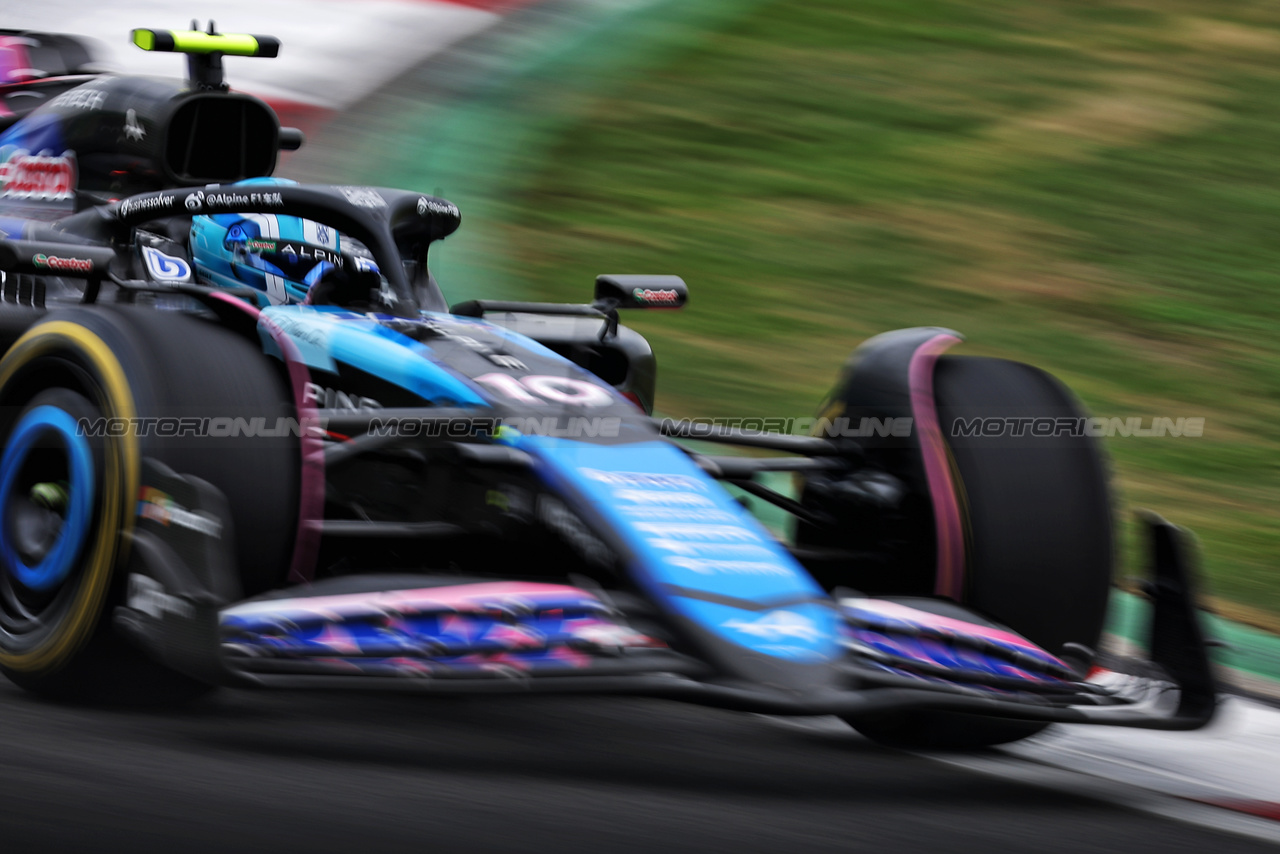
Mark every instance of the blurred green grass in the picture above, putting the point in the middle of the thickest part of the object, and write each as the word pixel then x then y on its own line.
pixel 1093 187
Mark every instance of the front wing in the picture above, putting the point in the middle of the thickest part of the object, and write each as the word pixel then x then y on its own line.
pixel 429 634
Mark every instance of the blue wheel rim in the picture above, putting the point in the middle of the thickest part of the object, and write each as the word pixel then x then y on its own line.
pixel 59 561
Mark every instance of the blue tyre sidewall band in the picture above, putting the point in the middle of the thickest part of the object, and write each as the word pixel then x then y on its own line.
pixel 57 565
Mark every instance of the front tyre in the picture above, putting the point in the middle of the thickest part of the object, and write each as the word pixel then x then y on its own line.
pixel 67 496
pixel 1035 508
pixel 64 497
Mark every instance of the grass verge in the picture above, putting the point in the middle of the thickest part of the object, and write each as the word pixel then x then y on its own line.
pixel 1091 187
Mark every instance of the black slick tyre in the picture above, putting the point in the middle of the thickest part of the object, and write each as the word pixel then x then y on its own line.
pixel 1036 511
pixel 67 501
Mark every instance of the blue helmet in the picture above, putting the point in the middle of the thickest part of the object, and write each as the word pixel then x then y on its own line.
pixel 280 256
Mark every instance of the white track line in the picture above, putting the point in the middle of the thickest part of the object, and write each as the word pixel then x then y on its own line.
pixel 1236 759
pixel 1115 793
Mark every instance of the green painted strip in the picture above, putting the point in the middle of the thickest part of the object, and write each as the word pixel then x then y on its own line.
pixel 1248 649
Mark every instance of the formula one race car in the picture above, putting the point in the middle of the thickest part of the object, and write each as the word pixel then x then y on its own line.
pixel 247 442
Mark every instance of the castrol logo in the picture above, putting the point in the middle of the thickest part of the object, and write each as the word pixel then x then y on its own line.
pixel 63 265
pixel 658 295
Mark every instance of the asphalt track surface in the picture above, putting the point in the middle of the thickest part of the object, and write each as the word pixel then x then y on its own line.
pixel 250 772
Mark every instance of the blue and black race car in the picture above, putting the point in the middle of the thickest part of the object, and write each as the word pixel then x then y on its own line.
pixel 248 442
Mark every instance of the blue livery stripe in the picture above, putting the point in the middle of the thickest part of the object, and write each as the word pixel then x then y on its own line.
pixel 687 532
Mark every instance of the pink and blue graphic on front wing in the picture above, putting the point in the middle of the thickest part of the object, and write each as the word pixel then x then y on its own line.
pixel 492 626
pixel 908 641
pixel 550 661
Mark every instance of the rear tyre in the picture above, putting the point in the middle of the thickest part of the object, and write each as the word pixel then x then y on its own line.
pixel 1036 511
pixel 67 500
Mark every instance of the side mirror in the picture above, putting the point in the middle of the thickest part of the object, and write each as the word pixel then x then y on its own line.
pixel 618 291
pixel 290 139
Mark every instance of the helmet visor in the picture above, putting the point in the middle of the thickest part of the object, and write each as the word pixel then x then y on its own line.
pixel 292 259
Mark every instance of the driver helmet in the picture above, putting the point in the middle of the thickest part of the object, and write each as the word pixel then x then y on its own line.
pixel 282 257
